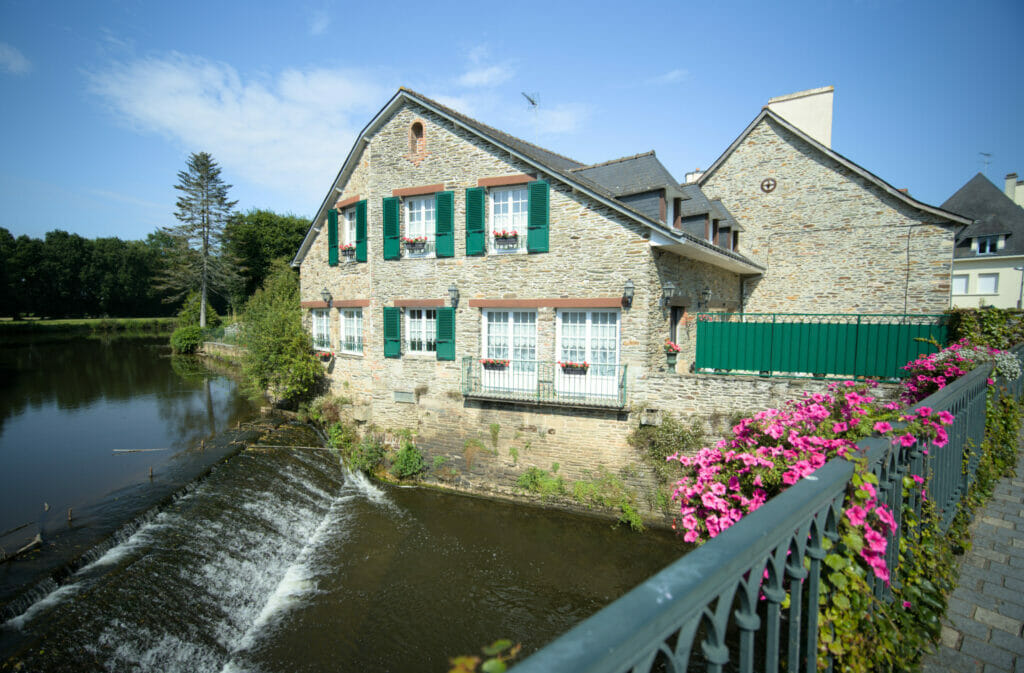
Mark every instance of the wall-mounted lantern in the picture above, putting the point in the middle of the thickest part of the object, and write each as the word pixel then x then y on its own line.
pixel 668 291
pixel 705 297
pixel 325 294
pixel 453 294
pixel 627 293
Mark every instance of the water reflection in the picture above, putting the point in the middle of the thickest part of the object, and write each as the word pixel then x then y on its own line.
pixel 66 406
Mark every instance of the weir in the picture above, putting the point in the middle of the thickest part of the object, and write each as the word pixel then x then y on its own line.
pixel 281 559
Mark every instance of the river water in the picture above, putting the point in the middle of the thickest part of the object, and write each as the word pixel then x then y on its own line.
pixel 282 560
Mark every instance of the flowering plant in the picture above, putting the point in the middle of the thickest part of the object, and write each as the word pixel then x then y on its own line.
pixel 494 362
pixel 344 247
pixel 324 355
pixel 506 234
pixel 414 240
pixel 574 365
pixel 932 372
pixel 671 347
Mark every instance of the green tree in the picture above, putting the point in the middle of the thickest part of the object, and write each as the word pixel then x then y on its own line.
pixel 257 238
pixel 194 260
pixel 279 357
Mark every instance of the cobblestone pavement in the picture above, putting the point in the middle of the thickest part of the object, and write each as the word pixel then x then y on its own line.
pixel 984 627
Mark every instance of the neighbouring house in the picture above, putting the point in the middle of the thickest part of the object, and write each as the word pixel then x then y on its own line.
pixel 1014 189
pixel 832 237
pixel 988 262
pixel 491 295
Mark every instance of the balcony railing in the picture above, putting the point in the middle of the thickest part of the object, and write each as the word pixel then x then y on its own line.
pixel 537 382
pixel 322 343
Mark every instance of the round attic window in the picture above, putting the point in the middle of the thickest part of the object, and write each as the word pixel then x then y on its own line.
pixel 768 185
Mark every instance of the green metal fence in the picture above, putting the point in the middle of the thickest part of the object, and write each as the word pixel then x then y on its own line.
pixel 722 607
pixel 792 344
pixel 538 382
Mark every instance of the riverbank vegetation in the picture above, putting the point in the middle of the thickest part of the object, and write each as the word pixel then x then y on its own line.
pixel 78 326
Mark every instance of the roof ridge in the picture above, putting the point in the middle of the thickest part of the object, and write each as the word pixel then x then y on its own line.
pixel 649 153
pixel 490 128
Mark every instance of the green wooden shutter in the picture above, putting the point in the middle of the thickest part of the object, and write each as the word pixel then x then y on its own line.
pixel 392 246
pixel 392 332
pixel 361 231
pixel 476 236
pixel 446 333
pixel 537 230
pixel 332 237
pixel 444 224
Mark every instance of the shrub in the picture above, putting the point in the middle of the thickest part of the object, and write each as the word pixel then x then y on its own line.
pixel 186 340
pixel 189 313
pixel 326 409
pixel 366 455
pixel 608 491
pixel 657 442
pixel 543 483
pixel 279 353
pixel 409 461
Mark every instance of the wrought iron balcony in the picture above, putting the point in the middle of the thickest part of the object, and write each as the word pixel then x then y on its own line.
pixel 538 382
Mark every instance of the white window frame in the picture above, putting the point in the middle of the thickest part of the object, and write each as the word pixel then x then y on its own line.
pixel 321 328
pixel 962 278
pixel 982 278
pixel 991 245
pixel 425 207
pixel 421 325
pixel 521 372
pixel 512 221
pixel 347 231
pixel 350 325
pixel 599 380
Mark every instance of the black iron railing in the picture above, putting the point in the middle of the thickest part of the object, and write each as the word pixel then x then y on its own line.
pixel 538 382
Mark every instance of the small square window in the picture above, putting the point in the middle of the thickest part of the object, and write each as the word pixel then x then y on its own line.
pixel 988 283
pixel 987 245
pixel 960 284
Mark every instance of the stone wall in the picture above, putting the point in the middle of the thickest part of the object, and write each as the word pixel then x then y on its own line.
pixel 832 241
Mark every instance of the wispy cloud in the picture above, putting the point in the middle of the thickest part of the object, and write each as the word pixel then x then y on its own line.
pixel 13 61
pixel 483 72
pixel 125 198
pixel 670 77
pixel 320 22
pixel 288 133
pixel 488 76
pixel 559 119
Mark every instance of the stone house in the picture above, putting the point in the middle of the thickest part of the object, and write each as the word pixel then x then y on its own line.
pixel 510 305
pixel 832 236
pixel 988 263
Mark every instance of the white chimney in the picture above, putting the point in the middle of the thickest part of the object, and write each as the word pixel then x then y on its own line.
pixel 810 111
pixel 1011 185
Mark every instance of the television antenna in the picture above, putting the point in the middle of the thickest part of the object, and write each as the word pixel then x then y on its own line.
pixel 986 159
pixel 532 99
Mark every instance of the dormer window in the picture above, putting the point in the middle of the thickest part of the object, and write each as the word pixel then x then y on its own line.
pixel 987 245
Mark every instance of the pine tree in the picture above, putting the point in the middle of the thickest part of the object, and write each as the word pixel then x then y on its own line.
pixel 196 262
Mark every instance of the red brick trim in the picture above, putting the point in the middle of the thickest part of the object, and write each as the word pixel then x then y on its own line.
pixel 501 181
pixel 313 304
pixel 347 202
pixel 557 302
pixel 419 303
pixel 418 191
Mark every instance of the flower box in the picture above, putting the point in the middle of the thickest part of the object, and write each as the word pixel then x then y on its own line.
pixel 574 367
pixel 506 240
pixel 324 356
pixel 494 363
pixel 347 250
pixel 415 244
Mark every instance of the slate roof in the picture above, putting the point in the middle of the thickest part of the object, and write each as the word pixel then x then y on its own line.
pixel 993 213
pixel 628 175
pixel 552 163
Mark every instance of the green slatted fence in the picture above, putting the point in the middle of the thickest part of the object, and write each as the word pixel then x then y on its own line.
pixel 805 344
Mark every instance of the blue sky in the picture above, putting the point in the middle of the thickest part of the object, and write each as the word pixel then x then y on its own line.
pixel 101 103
